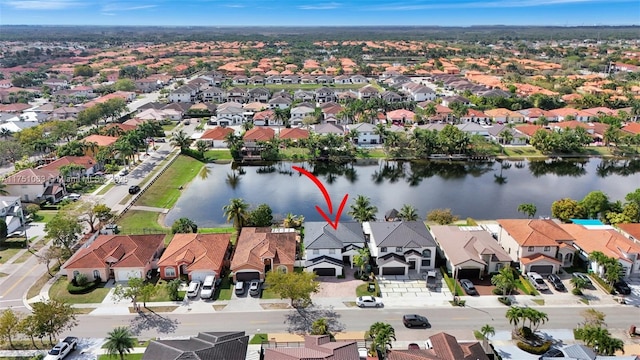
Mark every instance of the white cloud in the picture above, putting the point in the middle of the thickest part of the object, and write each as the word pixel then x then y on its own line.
pixel 328 6
pixel 116 6
pixel 43 4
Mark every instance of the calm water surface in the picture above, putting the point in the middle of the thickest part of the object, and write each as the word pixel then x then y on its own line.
pixel 478 190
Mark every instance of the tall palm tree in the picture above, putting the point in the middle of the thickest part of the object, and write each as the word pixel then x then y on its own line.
pixel 119 342
pixel 361 258
pixel 236 212
pixel 515 316
pixel 320 327
pixel 504 280
pixel 408 213
pixel 487 331
pixel 381 335
pixel 362 210
pixel 5 133
pixel 181 139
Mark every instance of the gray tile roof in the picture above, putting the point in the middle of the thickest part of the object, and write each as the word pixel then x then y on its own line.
pixel 323 259
pixel 406 234
pixel 320 235
pixel 205 346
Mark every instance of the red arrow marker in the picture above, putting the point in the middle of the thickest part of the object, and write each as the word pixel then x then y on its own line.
pixel 320 186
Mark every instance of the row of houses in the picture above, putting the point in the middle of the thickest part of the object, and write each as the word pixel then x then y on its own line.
pixel 396 247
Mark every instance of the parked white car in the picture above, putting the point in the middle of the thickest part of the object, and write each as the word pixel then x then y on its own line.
pixel 368 301
pixel 537 281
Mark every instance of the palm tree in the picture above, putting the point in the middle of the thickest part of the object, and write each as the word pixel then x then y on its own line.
pixel 361 258
pixel 236 212
pixel 119 342
pixel 504 280
pixel 181 140
pixel 320 327
pixel 5 133
pixel 487 331
pixel 381 335
pixel 528 209
pixel 515 315
pixel 609 345
pixel 362 210
pixel 408 213
pixel 201 146
pixel 578 284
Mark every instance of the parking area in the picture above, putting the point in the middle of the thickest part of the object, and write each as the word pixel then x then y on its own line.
pixel 413 285
pixel 332 287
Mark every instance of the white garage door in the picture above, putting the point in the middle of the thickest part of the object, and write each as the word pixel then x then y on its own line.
pixel 200 275
pixel 125 275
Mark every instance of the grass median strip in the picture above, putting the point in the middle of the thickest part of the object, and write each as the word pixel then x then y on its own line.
pixel 140 222
pixel 167 189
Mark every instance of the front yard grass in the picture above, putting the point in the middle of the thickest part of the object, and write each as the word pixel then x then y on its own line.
pixel 258 339
pixel 34 290
pixel 7 253
pixel 140 222
pixel 363 289
pixel 225 290
pixel 44 216
pixel 126 357
pixel 373 154
pixel 107 187
pixel 59 292
pixel 222 154
pixel 166 190
pixel 162 294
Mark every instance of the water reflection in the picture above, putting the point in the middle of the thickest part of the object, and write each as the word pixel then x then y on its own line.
pixel 625 167
pixel 560 167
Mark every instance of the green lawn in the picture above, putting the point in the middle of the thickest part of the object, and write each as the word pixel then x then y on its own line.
pixel 218 230
pixel 169 127
pixel 373 154
pixel 258 339
pixel 126 357
pixel 166 190
pixel 294 153
pixel 225 290
pixel 140 222
pixel 106 188
pixel 363 289
pixel 223 154
pixel 59 291
pixel 161 294
pixel 44 215
pixel 8 253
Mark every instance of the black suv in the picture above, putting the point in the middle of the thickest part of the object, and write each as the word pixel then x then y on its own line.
pixel 622 288
pixel 133 189
pixel 555 281
pixel 415 320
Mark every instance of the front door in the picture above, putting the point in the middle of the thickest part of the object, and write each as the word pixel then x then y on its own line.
pixel 412 264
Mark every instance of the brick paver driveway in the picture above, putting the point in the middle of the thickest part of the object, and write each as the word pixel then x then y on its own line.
pixel 332 287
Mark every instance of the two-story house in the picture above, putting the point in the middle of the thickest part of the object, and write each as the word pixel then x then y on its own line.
pixel 401 247
pixel 212 94
pixel 237 95
pixel 259 94
pixel 230 113
pixel 367 134
pixel 36 185
pixel 539 245
pixel 300 112
pixel 326 249
pixel 325 94
pixel 11 212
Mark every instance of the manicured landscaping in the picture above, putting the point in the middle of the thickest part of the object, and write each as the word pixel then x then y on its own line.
pixel 126 357
pixel 153 309
pixel 167 189
pixel 59 291
pixel 140 222
pixel 220 230
pixel 363 289
pixel 373 154
pixel 7 253
pixel 162 294
pixel 44 216
pixel 222 154
pixel 225 289
pixel 106 188
pixel 258 339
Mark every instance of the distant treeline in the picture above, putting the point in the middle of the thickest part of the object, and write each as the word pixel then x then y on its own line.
pixel 158 34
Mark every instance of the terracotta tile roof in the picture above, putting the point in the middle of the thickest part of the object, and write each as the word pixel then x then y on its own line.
pixel 606 240
pixel 255 244
pixel 632 229
pixel 525 260
pixel 100 140
pixel 198 251
pixel 294 133
pixel 535 232
pixel 444 347
pixel 85 161
pixel 633 128
pixel 464 245
pixel 18 107
pixel 31 177
pixel 217 133
pixel 125 250
pixel 266 114
pixel 259 133
pixel 400 114
pixel 124 126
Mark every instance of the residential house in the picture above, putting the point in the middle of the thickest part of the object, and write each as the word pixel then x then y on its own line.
pixel 216 137
pixel 240 80
pixel 294 134
pixel 630 231
pixel 332 113
pixel 90 165
pixel 391 96
pixel 400 116
pixel 256 80
pixel 290 79
pixel 230 345
pixel 605 239
pixel 56 84
pixel 518 138
pixel 538 245
pixel 358 79
pixel 259 250
pixel 147 85
pixel 316 347
pixel 237 95
pixel 342 79
pixel 476 116
pixel 213 94
pixel 448 100
pixel 400 247
pixel 324 79
pixel 265 117
pixel 473 129
pixel 195 255
pixel 470 251
pixel 185 93
pixel 442 346
pixel 504 116
pixel 259 134
pixel 259 95
pixel 11 213
pixel 534 114
pixel 36 185
pixel 95 142
pixel 280 102
pixel 632 128
pixel 325 94
pixel 326 249
pixel 418 93
pixel 328 128
pixel 298 113
pixel 368 92
pixel 118 257
pixel 595 129
pixel 367 133
pixel 583 352
pixel 230 113
pixel 304 95
pixel 66 112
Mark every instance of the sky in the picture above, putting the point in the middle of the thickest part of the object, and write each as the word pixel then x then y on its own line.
pixel 320 12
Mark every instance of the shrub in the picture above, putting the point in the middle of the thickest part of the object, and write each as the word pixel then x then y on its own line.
pixel 78 290
pixel 576 291
pixel 32 209
pixel 81 280
pixel 537 350
pixel 505 300
pixel 497 291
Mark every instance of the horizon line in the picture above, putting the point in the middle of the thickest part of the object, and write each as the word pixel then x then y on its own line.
pixel 327 26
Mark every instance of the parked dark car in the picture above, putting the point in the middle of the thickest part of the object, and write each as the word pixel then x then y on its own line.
pixel 622 287
pixel 583 276
pixel 468 287
pixel 133 189
pixel 555 281
pixel 413 320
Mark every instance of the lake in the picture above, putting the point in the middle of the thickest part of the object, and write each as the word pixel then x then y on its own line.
pixel 480 190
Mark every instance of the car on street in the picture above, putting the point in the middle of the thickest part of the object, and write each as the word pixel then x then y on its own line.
pixel 123 172
pixel 414 320
pixel 555 281
pixel 239 288
pixel 468 287
pixel 537 281
pixel 72 197
pixel 254 287
pixel 192 290
pixel 134 189
pixel 369 301
pixel 62 349
pixel 583 276
pixel 622 287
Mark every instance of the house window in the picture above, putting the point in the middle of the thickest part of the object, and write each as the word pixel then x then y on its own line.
pixel 426 253
pixel 547 248
pixel 399 249
pixel 282 269
pixel 316 251
pixel 96 274
pixel 530 248
pixel 426 262
pixel 75 273
pixel 499 266
pixel 169 272
pixel 383 249
pixel 332 251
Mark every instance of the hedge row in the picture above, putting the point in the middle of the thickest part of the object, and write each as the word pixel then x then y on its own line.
pixel 78 290
pixel 538 350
